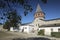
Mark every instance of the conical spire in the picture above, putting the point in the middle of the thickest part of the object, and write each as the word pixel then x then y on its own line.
pixel 38 8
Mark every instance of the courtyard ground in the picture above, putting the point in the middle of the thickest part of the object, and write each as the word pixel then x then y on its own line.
pixel 6 35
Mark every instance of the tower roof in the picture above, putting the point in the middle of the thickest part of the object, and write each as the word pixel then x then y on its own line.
pixel 38 8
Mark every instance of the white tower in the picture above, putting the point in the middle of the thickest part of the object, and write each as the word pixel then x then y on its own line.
pixel 39 13
pixel 39 17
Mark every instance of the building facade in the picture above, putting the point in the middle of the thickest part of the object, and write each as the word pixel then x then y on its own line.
pixel 40 23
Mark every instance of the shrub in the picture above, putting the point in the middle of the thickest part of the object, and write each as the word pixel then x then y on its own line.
pixel 55 34
pixel 41 32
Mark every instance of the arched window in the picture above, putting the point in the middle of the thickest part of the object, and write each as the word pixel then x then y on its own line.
pixel 59 30
pixel 51 30
pixel 38 25
pixel 54 24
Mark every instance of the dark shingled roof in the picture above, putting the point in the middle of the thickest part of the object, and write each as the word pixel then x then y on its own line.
pixel 38 8
pixel 52 19
pixel 51 25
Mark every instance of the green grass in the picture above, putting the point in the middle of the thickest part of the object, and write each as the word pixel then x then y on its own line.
pixel 41 32
pixel 55 34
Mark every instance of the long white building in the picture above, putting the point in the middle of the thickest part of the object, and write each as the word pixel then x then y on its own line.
pixel 39 23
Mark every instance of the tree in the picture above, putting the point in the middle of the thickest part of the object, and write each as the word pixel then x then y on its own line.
pixel 13 20
pixel 44 1
pixel 6 25
pixel 10 14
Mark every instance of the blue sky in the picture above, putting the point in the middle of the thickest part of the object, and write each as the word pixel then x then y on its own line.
pixel 51 10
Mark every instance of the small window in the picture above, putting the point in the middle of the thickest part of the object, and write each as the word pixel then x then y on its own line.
pixel 36 24
pixel 51 30
pixel 54 24
pixel 38 14
pixel 59 30
pixel 25 27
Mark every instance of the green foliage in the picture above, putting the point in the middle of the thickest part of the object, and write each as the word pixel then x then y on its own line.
pixel 6 25
pixel 2 4
pixel 44 1
pixel 6 3
pixel 55 34
pixel 41 32
pixel 12 20
pixel 21 1
pixel 25 4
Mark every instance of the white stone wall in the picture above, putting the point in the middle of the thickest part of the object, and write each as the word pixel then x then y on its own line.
pixel 47 30
pixel 55 29
pixel 11 29
pixel 1 27
pixel 26 29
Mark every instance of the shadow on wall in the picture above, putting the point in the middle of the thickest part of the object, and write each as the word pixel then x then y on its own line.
pixel 35 38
